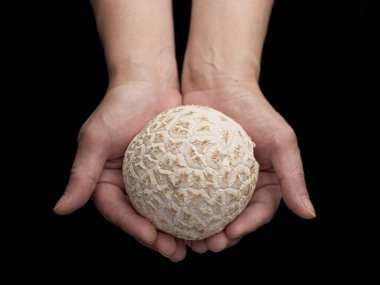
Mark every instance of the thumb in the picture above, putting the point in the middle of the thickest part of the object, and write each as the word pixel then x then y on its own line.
pixel 87 167
pixel 289 170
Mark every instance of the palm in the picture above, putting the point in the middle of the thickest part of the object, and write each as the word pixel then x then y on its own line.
pixel 253 112
pixel 123 113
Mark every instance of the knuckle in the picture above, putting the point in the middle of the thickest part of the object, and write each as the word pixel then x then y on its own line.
pixel 83 132
pixel 297 173
pixel 77 173
pixel 92 133
pixel 261 218
pixel 287 136
pixel 111 217
pixel 264 218
pixel 86 133
pixel 116 220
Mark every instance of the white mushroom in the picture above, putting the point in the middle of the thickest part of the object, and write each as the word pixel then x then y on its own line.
pixel 190 171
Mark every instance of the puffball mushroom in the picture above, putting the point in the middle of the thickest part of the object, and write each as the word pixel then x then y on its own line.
pixel 190 171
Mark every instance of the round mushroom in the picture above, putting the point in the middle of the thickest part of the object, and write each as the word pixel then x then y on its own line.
pixel 190 171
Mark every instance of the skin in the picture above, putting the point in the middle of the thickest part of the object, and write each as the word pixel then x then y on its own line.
pixel 221 70
pixel 138 41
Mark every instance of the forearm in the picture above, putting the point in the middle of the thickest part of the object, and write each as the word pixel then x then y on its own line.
pixel 225 42
pixel 138 40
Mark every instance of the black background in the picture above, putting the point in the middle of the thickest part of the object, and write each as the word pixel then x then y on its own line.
pixel 308 45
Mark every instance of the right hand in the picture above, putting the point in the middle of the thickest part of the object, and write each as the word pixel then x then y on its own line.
pixel 97 168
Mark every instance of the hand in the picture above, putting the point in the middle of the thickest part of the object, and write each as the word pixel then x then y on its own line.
pixel 97 169
pixel 221 70
pixel 281 172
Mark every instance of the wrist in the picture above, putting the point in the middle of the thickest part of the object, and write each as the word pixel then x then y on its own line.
pixel 225 43
pixel 211 68
pixel 156 69
pixel 138 40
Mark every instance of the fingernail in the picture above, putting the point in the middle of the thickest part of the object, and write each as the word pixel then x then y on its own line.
pixel 163 254
pixel 200 252
pixel 309 206
pixel 147 243
pixel 61 201
pixel 235 235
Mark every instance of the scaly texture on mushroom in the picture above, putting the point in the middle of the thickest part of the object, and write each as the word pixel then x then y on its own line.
pixel 190 171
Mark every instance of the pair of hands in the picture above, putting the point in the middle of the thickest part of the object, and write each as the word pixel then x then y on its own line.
pixel 220 70
pixel 127 108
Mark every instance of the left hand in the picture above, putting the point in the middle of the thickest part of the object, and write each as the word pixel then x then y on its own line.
pixel 281 171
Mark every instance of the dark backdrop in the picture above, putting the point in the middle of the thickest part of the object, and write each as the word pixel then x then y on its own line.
pixel 303 53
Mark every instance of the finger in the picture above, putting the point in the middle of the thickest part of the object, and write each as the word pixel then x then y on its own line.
pixel 87 167
pixel 166 244
pixel 233 241
pixel 288 167
pixel 112 176
pixel 116 163
pixel 180 253
pixel 116 208
pixel 199 246
pixel 217 242
pixel 259 212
